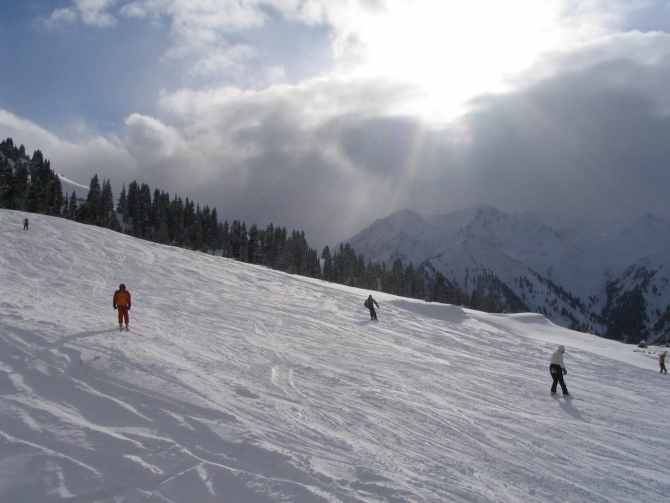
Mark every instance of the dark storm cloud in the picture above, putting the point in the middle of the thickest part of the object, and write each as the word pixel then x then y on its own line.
pixel 380 146
pixel 592 143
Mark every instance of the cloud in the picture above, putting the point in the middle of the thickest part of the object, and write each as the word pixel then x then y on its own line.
pixel 77 161
pixel 583 131
pixel 204 34
pixel 586 140
pixel 589 138
pixel 91 12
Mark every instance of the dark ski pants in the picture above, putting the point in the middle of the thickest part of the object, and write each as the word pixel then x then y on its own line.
pixel 663 369
pixel 123 314
pixel 557 375
pixel 373 313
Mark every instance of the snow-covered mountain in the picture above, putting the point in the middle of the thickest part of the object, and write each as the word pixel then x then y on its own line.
pixel 237 383
pixel 69 187
pixel 567 275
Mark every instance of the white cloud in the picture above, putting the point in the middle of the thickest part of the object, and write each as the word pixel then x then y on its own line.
pixel 64 15
pixel 91 12
pixel 77 161
pixel 94 12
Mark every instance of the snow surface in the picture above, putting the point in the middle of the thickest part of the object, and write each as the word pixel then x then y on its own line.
pixel 237 383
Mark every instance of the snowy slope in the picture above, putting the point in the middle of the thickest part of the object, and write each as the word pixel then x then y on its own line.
pixel 242 384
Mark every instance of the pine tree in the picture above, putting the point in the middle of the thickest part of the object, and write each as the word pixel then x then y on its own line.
pixel 224 232
pixel 90 211
pixel 55 200
pixel 235 239
pixel 7 194
pixel 176 227
pixel 327 264
pixel 142 216
pixel 71 212
pixel 108 213
pixel 160 216
pixel 243 253
pixel 214 230
pixel 132 203
pixel 20 185
pixel 122 205
pixel 254 245
pixel 195 230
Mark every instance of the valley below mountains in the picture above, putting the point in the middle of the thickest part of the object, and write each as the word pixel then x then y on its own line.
pixel 613 284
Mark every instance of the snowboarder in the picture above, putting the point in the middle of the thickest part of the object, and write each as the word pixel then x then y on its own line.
pixel 661 362
pixel 25 224
pixel 557 370
pixel 122 303
pixel 370 303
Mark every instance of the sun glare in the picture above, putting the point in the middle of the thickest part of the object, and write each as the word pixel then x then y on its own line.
pixel 454 49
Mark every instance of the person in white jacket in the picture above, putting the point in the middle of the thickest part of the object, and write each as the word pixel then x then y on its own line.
pixel 557 371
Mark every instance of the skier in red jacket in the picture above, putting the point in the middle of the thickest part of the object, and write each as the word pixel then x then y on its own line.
pixel 122 303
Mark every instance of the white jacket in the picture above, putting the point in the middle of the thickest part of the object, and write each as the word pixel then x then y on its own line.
pixel 557 357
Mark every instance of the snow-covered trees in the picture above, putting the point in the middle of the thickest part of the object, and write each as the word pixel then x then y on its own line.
pixel 28 184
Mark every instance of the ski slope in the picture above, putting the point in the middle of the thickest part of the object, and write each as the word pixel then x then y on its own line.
pixel 241 384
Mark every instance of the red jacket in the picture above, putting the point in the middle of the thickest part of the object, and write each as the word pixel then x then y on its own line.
pixel 121 298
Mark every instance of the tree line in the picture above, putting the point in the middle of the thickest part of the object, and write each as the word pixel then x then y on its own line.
pixel 29 184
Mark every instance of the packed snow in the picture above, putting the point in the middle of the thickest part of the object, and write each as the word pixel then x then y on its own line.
pixel 237 383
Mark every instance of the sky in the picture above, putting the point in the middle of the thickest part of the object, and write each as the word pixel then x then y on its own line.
pixel 262 386
pixel 324 115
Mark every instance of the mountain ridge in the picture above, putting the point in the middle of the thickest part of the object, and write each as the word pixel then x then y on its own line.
pixel 575 265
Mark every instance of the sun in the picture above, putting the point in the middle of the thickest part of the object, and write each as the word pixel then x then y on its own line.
pixel 452 50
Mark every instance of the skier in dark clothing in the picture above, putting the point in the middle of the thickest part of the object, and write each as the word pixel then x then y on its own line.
pixel 121 302
pixel 25 224
pixel 557 371
pixel 370 303
pixel 661 362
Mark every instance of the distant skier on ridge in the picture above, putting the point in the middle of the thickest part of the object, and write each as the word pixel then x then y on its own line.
pixel 557 370
pixel 370 303
pixel 121 302
pixel 25 224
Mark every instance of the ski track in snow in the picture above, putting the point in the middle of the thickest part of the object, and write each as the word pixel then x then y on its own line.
pixel 238 383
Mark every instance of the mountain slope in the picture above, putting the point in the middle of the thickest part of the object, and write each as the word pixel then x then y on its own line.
pixel 579 268
pixel 414 238
pixel 238 383
pixel 506 285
